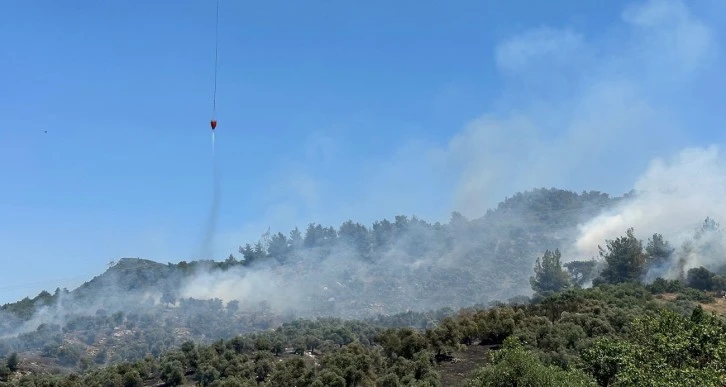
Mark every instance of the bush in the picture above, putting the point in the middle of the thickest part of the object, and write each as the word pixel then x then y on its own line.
pixel 515 366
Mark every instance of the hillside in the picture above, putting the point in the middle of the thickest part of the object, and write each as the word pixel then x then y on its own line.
pixel 399 303
pixel 355 271
pixel 606 335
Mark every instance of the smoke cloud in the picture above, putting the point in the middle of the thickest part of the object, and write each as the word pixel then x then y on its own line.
pixel 673 198
pixel 420 270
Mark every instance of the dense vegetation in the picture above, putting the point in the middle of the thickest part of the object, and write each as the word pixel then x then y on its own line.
pixel 624 330
pixel 606 335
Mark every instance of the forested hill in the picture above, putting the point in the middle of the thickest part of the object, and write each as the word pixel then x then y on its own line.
pixel 406 263
pixel 237 322
pixel 352 271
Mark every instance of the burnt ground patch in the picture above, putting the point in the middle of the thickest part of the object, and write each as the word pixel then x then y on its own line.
pixel 460 369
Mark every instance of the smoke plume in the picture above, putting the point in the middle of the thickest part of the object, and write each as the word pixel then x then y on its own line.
pixel 673 198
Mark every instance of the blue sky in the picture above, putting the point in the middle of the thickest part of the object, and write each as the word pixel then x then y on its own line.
pixel 327 111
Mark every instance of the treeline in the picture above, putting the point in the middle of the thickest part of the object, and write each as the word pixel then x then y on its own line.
pixel 536 210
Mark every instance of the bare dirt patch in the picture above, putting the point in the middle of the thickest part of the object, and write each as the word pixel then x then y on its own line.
pixel 718 306
pixel 455 373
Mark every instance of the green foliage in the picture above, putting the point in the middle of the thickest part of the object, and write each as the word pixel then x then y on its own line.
pixel 576 337
pixel 549 276
pixel 703 279
pixel 666 349
pixel 514 366
pixel 659 250
pixel 695 295
pixel 661 285
pixel 626 260
pixel 581 272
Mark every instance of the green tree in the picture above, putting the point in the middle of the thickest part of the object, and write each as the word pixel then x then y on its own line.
pixel 659 250
pixel 172 373
pixel 389 380
pixel 329 378
pixel 700 278
pixel 625 260
pixel 279 247
pixel 13 361
pixel 356 235
pixel 252 254
pixel 132 379
pixel 581 272
pixel 549 276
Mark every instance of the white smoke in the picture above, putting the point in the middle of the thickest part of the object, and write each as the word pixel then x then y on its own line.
pixel 673 198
